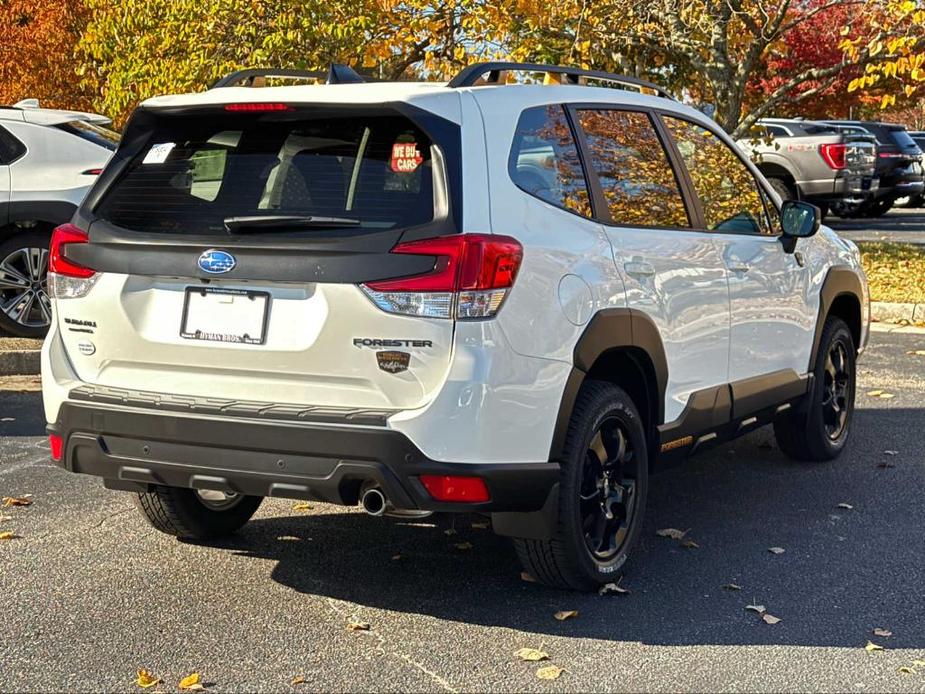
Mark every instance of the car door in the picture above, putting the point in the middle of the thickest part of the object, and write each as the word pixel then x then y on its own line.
pixel 7 154
pixel 772 317
pixel 674 274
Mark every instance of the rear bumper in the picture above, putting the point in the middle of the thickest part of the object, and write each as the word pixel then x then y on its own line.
pixel 132 449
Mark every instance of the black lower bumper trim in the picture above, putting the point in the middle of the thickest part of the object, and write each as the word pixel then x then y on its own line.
pixel 133 449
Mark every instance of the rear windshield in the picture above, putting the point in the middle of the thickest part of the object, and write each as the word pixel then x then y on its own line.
pixel 902 138
pixel 97 134
pixel 197 171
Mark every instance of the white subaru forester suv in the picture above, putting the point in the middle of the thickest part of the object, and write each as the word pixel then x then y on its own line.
pixel 480 296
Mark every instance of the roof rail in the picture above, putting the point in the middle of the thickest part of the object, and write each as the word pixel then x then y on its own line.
pixel 337 74
pixel 471 74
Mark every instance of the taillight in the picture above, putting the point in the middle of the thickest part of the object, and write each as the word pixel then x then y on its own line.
pixel 57 446
pixel 471 276
pixel 834 155
pixel 467 490
pixel 66 235
pixel 67 279
pixel 92 172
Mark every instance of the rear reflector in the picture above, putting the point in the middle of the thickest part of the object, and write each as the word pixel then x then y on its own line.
pixel 467 490
pixel 257 108
pixel 471 276
pixel 57 446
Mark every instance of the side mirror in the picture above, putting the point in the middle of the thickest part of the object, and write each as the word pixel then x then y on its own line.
pixel 798 220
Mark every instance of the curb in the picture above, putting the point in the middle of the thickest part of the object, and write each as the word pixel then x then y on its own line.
pixel 20 362
pixel 891 312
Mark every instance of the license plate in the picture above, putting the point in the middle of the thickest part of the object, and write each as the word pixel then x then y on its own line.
pixel 225 315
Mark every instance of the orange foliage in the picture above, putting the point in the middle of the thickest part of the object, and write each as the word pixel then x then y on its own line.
pixel 37 42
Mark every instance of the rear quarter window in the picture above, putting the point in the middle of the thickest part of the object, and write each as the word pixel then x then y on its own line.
pixel 197 171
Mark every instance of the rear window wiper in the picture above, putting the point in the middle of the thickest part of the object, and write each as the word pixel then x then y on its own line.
pixel 276 222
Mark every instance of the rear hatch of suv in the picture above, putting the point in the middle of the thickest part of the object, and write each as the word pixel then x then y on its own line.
pixel 247 254
pixel 899 159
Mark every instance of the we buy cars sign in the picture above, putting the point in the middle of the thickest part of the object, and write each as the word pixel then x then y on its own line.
pixel 405 157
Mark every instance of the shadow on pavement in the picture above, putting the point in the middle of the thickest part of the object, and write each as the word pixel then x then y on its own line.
pixel 844 571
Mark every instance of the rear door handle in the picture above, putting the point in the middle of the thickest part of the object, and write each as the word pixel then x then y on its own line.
pixel 638 268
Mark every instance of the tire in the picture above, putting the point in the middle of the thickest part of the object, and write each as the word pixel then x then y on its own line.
pixel 185 514
pixel 809 432
pixel 823 210
pixel 877 208
pixel 569 559
pixel 25 310
pixel 845 210
pixel 783 188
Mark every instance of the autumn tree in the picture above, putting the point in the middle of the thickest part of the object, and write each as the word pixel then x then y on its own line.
pixel 37 52
pixel 707 50
pixel 134 49
pixel 895 54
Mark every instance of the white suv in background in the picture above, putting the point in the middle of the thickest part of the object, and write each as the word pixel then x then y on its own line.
pixel 509 299
pixel 48 161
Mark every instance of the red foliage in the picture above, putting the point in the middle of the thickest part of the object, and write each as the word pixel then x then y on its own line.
pixel 813 43
pixel 37 52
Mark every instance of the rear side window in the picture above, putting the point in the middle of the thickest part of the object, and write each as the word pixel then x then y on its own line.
pixel 97 134
pixel 544 160
pixel 372 172
pixel 11 149
pixel 639 185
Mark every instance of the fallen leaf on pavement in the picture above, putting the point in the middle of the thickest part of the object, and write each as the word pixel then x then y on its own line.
pixel 4 519
pixel 298 679
pixel 871 647
pixel 8 535
pixel 463 546
pixel 524 576
pixel 875 393
pixel 147 679
pixel 885 633
pixel 906 670
pixel 732 586
pixel 191 682
pixel 918 663
pixel 449 532
pixel 885 464
pixel 532 654
pixel 690 544
pixel 770 619
pixel 917 352
pixel 886 396
pixel 776 550
pixel 397 557
pixel 357 626
pixel 302 506
pixel 613 588
pixel 550 672
pixel 480 525
pixel 673 533
pixel 23 500
pixel 562 615
pixel 845 506
pixel 890 452
pixel 8 419
pixel 760 609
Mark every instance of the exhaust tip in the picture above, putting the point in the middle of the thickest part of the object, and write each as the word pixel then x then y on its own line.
pixel 373 501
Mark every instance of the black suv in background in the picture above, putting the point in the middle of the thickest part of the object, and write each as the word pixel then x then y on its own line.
pixel 915 200
pixel 899 166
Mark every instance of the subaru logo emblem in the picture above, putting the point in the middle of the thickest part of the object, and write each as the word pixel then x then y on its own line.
pixel 216 262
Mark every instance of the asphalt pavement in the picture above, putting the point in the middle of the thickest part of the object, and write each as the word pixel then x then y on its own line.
pixel 90 593
pixel 900 225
